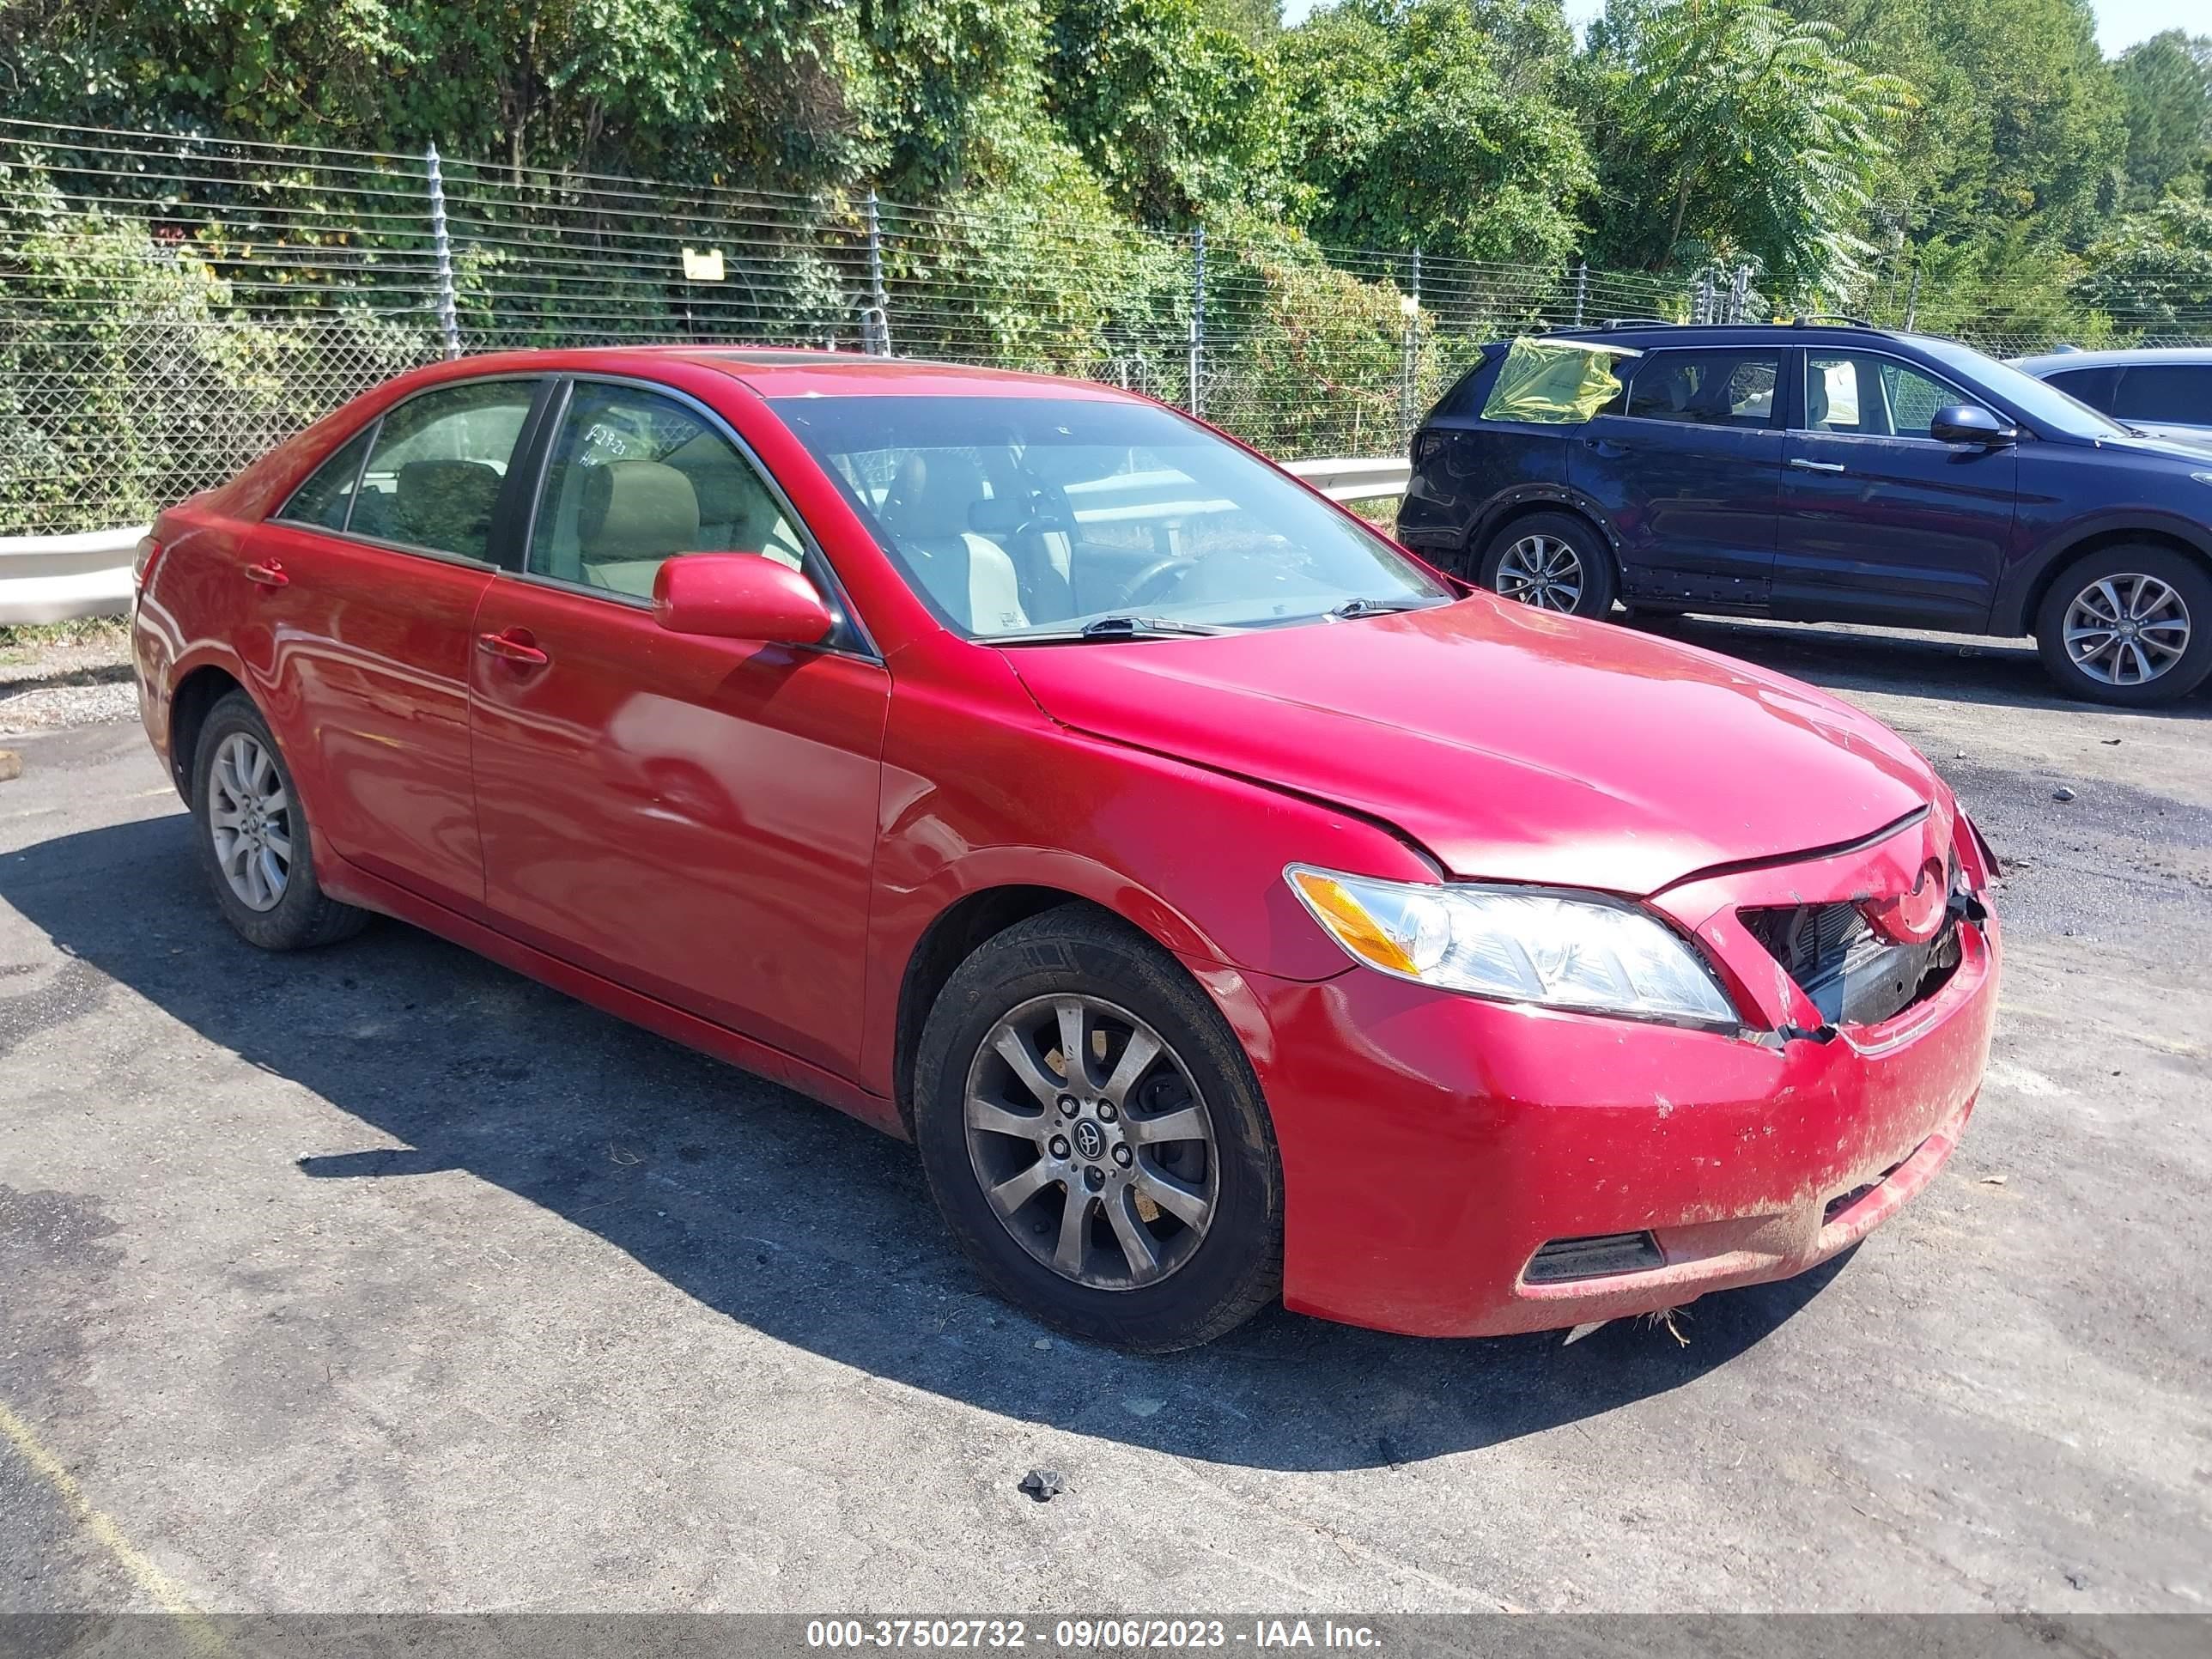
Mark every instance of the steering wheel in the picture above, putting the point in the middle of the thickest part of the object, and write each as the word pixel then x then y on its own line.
pixel 1157 579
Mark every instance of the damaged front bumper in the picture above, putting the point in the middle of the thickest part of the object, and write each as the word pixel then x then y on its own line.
pixel 1445 1157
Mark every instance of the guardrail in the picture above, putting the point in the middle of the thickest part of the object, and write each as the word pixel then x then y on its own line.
pixel 50 578
pixel 1349 480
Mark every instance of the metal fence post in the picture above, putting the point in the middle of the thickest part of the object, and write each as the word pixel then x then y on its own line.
pixel 1409 388
pixel 876 330
pixel 1912 301
pixel 1581 289
pixel 1194 399
pixel 449 323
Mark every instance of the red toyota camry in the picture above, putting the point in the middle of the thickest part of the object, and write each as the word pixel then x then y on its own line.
pixel 1227 906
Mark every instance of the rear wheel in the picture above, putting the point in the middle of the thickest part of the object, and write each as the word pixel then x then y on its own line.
pixel 254 837
pixel 2129 624
pixel 1554 561
pixel 1094 1135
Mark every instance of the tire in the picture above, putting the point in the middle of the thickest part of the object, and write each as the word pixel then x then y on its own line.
pixel 2166 594
pixel 1552 560
pixel 253 835
pixel 1211 1270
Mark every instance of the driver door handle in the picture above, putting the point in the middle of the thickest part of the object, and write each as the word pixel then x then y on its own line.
pixel 1804 465
pixel 1606 447
pixel 514 646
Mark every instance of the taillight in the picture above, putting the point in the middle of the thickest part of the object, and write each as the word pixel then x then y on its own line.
pixel 148 553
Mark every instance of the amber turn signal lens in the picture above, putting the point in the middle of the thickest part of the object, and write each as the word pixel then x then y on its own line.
pixel 1344 917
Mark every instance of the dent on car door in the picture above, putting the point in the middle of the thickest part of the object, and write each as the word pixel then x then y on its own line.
pixel 366 582
pixel 693 818
pixel 1689 474
pixel 1881 521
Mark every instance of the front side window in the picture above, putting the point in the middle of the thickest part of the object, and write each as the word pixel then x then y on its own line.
pixel 1707 388
pixel 1872 396
pixel 326 501
pixel 635 479
pixel 434 473
pixel 1014 516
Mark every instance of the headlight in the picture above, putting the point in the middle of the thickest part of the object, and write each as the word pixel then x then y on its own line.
pixel 1562 950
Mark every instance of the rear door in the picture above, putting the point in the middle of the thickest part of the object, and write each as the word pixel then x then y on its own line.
pixel 365 585
pixel 1880 522
pixel 694 818
pixel 1688 476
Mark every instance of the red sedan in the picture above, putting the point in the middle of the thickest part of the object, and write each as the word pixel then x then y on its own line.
pixel 1227 906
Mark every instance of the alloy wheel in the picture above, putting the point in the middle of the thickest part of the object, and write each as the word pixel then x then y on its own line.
pixel 2126 629
pixel 250 819
pixel 1543 571
pixel 1093 1144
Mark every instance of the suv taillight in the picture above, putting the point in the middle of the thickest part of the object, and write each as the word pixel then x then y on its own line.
pixel 143 560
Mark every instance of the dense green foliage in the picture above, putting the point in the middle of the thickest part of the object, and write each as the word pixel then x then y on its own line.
pixel 1816 139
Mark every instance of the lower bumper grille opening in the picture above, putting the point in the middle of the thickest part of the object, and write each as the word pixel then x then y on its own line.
pixel 1842 1201
pixel 1593 1257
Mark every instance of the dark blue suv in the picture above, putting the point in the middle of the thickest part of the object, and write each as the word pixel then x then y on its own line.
pixel 1823 473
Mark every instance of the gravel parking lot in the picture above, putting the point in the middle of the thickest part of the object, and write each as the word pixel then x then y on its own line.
pixel 381 1278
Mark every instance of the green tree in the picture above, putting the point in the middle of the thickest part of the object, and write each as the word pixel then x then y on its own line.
pixel 1256 22
pixel 1733 130
pixel 1172 112
pixel 2166 92
pixel 2153 270
pixel 2011 149
pixel 1411 126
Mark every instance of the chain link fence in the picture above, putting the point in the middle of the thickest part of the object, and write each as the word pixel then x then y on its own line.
pixel 170 307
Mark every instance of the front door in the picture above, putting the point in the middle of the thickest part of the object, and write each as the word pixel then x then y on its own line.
pixel 367 581
pixel 1687 477
pixel 1882 523
pixel 694 818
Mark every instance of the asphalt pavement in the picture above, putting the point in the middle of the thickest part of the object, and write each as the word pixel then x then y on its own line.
pixel 381 1279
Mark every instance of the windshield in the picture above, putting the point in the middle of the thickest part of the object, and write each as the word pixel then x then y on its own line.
pixel 2047 407
pixel 1018 517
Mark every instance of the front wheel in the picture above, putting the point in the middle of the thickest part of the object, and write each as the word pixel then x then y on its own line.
pixel 1553 561
pixel 1094 1135
pixel 2129 624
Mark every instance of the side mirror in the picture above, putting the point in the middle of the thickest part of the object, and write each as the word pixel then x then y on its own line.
pixel 1965 423
pixel 739 596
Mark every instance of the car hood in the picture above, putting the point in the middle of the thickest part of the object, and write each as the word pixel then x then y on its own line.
pixel 2184 443
pixel 1513 743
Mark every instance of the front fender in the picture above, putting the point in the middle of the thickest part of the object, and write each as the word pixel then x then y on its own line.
pixel 2020 586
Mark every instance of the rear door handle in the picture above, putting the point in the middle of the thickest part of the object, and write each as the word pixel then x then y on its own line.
pixel 1804 465
pixel 514 646
pixel 271 574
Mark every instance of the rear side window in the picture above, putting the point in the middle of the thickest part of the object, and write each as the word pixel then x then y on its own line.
pixel 1707 388
pixel 2179 393
pixel 326 499
pixel 435 466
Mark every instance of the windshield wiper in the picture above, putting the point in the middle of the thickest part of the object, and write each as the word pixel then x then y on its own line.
pixel 1114 627
pixel 1363 607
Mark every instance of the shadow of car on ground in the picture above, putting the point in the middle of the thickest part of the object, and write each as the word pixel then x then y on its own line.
pixel 770 1210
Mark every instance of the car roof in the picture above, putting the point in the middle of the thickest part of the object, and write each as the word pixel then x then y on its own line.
pixel 1647 336
pixel 2049 362
pixel 786 371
